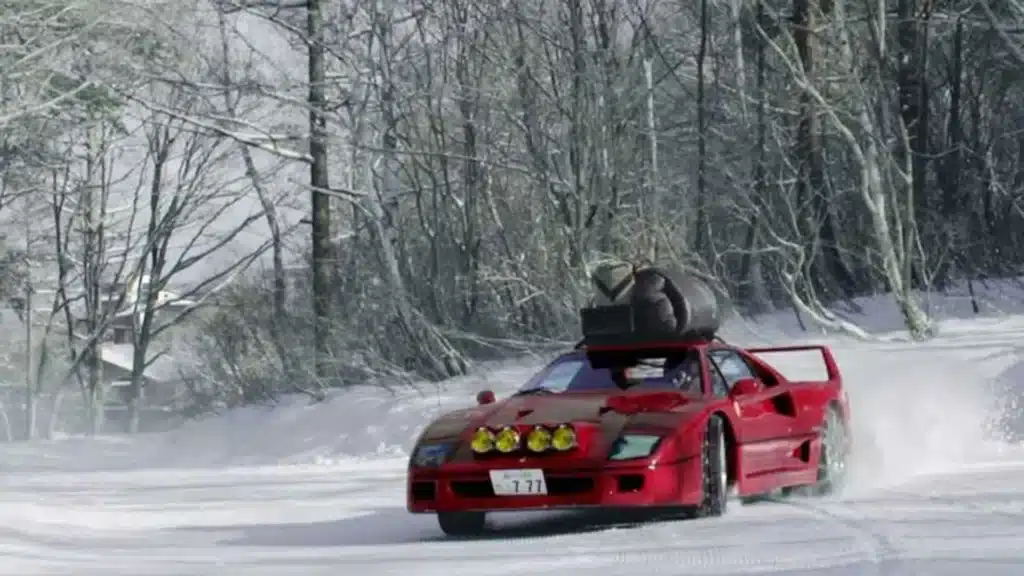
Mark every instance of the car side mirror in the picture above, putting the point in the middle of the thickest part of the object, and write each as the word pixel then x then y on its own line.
pixel 746 387
pixel 485 397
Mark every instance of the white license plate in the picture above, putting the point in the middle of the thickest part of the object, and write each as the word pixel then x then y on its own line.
pixel 518 482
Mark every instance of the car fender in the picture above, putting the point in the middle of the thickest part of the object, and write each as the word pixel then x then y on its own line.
pixel 689 436
pixel 813 400
pixel 451 425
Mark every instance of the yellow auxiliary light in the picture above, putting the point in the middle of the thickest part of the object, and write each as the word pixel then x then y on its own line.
pixel 539 439
pixel 483 441
pixel 564 438
pixel 507 440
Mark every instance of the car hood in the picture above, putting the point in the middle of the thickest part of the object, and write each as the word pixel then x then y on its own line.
pixel 599 418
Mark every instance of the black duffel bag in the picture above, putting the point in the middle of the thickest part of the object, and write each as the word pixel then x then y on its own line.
pixel 633 304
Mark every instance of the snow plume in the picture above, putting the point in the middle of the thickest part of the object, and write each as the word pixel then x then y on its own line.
pixel 1008 403
pixel 920 410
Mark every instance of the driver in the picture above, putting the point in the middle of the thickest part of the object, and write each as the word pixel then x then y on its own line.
pixel 686 369
pixel 683 370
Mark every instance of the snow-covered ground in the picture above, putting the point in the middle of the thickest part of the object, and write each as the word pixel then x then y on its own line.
pixel 312 489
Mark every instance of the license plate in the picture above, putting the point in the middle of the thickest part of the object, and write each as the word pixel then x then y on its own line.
pixel 518 482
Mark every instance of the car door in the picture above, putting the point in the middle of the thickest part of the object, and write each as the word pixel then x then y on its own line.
pixel 766 422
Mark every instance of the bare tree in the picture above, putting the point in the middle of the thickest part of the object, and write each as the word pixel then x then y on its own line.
pixel 93 232
pixel 319 181
pixel 232 96
pixel 186 207
pixel 481 154
pixel 878 192
pixel 35 35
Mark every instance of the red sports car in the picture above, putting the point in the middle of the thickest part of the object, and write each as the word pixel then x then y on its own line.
pixel 591 429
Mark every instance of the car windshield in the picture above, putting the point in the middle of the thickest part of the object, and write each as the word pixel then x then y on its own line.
pixel 573 373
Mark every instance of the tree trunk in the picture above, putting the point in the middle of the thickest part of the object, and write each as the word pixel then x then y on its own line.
pixel 820 233
pixel 96 393
pixel 701 241
pixel 913 102
pixel 280 287
pixel 473 172
pixel 953 221
pixel 319 180
pixel 30 392
pixel 432 349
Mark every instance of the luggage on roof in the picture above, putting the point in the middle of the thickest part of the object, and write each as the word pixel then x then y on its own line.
pixel 633 304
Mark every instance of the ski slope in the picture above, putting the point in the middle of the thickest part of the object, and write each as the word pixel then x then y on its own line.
pixel 318 489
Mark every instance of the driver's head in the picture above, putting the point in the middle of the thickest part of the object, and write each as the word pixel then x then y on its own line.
pixel 684 369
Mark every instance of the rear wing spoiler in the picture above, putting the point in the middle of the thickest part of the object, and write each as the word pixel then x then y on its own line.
pixel 831 367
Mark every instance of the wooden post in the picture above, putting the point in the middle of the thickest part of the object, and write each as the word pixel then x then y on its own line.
pixel 30 409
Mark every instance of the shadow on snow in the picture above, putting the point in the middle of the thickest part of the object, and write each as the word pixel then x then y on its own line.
pixel 394 525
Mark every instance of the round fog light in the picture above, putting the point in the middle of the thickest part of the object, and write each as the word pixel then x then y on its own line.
pixel 483 441
pixel 564 438
pixel 507 440
pixel 539 439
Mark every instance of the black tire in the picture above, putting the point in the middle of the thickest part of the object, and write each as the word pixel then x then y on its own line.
pixel 832 465
pixel 462 523
pixel 715 470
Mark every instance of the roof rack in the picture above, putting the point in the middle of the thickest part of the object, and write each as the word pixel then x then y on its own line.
pixel 625 357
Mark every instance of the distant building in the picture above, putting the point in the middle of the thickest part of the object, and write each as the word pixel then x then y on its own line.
pixel 160 395
pixel 125 298
pixel 162 382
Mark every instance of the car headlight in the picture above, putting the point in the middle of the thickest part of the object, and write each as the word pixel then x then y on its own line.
pixel 431 455
pixel 630 446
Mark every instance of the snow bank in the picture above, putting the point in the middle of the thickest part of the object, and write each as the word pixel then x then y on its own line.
pixel 996 300
pixel 364 422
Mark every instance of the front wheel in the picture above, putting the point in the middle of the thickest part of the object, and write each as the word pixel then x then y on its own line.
pixel 715 470
pixel 462 523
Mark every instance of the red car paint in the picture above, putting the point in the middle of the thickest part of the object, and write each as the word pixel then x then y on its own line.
pixel 773 427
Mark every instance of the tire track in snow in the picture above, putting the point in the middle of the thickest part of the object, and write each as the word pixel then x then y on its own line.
pixel 882 554
pixel 974 504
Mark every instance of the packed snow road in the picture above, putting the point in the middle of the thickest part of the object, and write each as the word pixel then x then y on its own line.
pixel 349 520
pixel 261 493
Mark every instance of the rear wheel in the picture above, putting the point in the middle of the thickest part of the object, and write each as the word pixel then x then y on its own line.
pixel 715 470
pixel 462 523
pixel 834 451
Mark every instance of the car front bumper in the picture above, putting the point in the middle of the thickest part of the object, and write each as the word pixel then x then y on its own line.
pixel 619 486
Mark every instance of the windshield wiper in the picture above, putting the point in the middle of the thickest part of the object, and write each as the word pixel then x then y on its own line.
pixel 532 391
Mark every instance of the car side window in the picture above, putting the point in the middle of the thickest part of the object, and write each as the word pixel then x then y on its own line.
pixel 731 365
pixel 719 387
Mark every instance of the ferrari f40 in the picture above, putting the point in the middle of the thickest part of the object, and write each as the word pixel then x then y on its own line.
pixel 706 420
pixel 651 410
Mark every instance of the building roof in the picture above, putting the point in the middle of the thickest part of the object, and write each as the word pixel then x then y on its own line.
pixel 166 301
pixel 162 367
